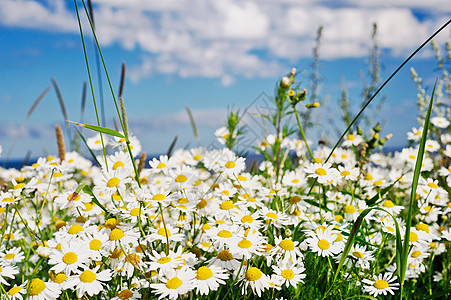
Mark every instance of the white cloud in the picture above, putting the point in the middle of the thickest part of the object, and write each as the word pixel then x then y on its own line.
pixel 221 39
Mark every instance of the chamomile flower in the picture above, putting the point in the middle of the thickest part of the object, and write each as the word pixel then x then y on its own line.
pixel 41 290
pixel 165 262
pixel 250 245
pixel 323 243
pixel 285 249
pixel 17 292
pixel 324 173
pixel 381 285
pixel 256 280
pixel 95 143
pixel 71 257
pixel 289 274
pixel 225 259
pixel 175 283
pixel 348 172
pixel 11 256
pixel 89 281
pixel 209 279
pixel 440 122
pixel 127 294
pixel 163 234
pixel 7 271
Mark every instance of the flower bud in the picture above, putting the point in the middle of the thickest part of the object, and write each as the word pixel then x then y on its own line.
pixel 285 82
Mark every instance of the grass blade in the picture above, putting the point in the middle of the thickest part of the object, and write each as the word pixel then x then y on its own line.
pixel 90 150
pixel 193 124
pixel 100 129
pixel 83 102
pixel 171 147
pixel 416 177
pixel 60 99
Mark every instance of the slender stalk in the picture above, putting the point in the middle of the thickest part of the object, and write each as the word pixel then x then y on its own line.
pixel 302 132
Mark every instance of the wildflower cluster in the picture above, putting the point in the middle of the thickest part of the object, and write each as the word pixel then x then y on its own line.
pixel 201 223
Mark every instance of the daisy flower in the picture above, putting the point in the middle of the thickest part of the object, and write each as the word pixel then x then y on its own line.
pixel 17 292
pixel 322 242
pixel 175 283
pixel 163 234
pixel 289 274
pixel 7 272
pixel 95 143
pixel 89 281
pixel 250 245
pixel 165 263
pixel 225 259
pixel 69 258
pixel 272 217
pixel 381 284
pixel 209 278
pixel 126 294
pixel 348 172
pixel 286 249
pixel 415 134
pixel 231 165
pixel 162 164
pixel 440 122
pixel 322 172
pixel 352 139
pixel 40 290
pixel 11 256
pixel 256 279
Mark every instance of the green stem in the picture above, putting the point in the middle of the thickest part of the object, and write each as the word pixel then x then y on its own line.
pixel 302 132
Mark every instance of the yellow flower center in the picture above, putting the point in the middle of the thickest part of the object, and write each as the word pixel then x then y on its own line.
pixel 181 178
pixel 388 204
pixel 95 244
pixel 70 258
pixel 118 164
pixel 163 232
pixel 245 244
pixel 381 284
pixel 272 215
pixel 413 237
pixel 135 212
pixel 116 234
pixel 415 254
pixel 226 205
pixel 8 200
pixel 368 177
pixel 349 209
pixel 14 290
pixel 253 274
pixel 60 278
pixel 225 255
pixel 203 273
pixel 295 199
pixel 19 186
pixel 320 172
pixel 36 287
pixel 351 137
pixel 202 203
pixel 358 254
pixel 163 260
pixel 247 219
pixel 125 294
pixel 158 197
pixel 173 283
pixel 323 244
pixel 432 185
pixel 345 173
pixel 88 276
pixel 287 274
pixel 378 182
pixel 113 182
pixel 161 166
pixel 224 234
pixel 230 164
pixel 74 229
pixel 10 256
pixel 286 245
pixel 422 227
pixel 111 223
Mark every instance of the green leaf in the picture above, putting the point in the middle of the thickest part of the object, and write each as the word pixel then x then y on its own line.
pixel 373 200
pixel 416 177
pixel 85 188
pixel 100 129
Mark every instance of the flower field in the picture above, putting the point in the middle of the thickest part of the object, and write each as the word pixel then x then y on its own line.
pixel 343 222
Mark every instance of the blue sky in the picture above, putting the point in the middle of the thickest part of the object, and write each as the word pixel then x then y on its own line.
pixel 210 55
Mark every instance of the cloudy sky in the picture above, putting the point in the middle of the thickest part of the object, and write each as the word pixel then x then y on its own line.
pixel 210 55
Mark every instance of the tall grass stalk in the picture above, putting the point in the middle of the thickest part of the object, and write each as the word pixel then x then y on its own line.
pixel 406 247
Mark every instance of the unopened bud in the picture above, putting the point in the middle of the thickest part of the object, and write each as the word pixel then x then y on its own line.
pixel 313 105
pixel 288 233
pixel 293 71
pixel 377 128
pixel 285 82
pixel 359 131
